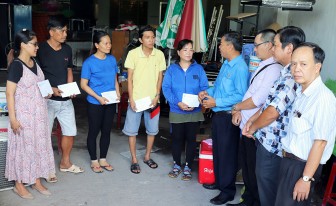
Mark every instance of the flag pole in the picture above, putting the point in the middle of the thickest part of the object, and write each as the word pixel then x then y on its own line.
pixel 169 57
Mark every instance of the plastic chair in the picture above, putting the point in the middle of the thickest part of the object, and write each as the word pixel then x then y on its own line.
pixel 328 195
pixel 58 133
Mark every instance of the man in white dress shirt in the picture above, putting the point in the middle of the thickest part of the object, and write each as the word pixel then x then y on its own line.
pixel 311 131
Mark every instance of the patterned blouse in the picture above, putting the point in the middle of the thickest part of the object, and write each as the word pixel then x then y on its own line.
pixel 281 97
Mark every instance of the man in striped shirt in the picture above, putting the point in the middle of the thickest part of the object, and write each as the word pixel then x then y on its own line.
pixel 311 132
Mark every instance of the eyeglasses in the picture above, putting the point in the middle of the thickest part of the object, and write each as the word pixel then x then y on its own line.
pixel 35 44
pixel 256 45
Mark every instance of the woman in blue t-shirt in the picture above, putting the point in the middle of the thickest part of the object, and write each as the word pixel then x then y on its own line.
pixel 99 81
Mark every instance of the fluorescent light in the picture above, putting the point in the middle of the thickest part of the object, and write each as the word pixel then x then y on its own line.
pixel 294 4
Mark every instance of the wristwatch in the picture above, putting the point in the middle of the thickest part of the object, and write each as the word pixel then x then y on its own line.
pixel 234 108
pixel 308 179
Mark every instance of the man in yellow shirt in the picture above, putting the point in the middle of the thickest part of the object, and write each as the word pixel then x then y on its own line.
pixel 145 66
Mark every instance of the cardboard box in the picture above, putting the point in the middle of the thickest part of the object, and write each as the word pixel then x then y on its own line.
pixel 120 40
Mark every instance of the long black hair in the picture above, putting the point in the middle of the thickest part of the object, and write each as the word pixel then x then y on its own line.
pixel 96 39
pixel 22 36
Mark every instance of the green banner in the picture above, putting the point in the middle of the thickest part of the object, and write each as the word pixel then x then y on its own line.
pixel 166 32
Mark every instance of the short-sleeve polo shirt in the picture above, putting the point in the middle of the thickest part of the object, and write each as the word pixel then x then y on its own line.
pixel 146 71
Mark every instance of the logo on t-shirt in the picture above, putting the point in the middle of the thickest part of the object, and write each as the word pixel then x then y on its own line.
pixel 66 59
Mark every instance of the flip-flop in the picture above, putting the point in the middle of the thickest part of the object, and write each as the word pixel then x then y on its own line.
pixel 107 167
pixel 73 169
pixel 97 169
pixel 135 168
pixel 151 163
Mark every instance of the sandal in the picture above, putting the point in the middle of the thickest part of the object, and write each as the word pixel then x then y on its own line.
pixel 52 178
pixel 186 174
pixel 151 163
pixel 97 169
pixel 175 171
pixel 95 166
pixel 73 169
pixel 135 168
pixel 105 165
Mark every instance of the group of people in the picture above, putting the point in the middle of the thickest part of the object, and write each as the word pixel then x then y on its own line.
pixel 285 113
pixel 30 155
pixel 31 116
pixel 283 110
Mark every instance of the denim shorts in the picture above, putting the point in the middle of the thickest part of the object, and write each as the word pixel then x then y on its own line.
pixel 133 120
pixel 65 114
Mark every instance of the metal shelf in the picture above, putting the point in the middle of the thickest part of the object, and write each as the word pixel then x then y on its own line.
pixel 240 18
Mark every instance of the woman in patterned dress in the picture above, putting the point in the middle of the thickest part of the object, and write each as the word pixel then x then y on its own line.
pixel 29 154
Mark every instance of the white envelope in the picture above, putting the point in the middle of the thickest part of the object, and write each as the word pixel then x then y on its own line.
pixel 69 89
pixel 190 99
pixel 111 96
pixel 143 104
pixel 45 88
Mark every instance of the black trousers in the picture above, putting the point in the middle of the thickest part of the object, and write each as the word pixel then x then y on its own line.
pixel 225 142
pixel 290 172
pixel 100 120
pixel 184 133
pixel 248 163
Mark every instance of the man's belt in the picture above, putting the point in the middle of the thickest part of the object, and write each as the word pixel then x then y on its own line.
pixel 291 156
pixel 222 112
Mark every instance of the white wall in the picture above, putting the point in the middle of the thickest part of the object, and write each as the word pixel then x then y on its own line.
pixel 320 27
pixel 235 5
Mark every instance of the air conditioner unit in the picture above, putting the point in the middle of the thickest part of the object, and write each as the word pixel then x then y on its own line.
pixel 290 4
pixel 4 183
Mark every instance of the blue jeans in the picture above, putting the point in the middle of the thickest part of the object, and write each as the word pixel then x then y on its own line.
pixel 267 173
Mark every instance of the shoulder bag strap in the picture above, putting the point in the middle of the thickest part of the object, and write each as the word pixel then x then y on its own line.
pixel 262 70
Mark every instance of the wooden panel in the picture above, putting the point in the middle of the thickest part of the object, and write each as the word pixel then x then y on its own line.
pixel 241 16
pixel 120 40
